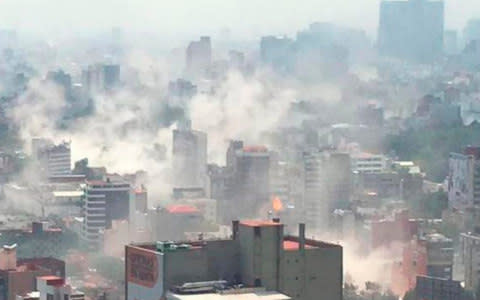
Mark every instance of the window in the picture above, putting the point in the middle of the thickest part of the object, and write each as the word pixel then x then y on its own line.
pixel 258 283
pixel 49 296
pixel 66 297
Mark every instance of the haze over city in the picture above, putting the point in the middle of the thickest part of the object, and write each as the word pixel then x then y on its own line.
pixel 246 19
pixel 206 150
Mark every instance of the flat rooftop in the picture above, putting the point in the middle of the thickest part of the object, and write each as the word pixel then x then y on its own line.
pixel 254 295
pixel 257 223
pixel 294 245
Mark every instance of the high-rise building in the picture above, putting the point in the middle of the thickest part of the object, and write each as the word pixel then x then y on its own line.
pixel 276 51
pixel 189 157
pixel 63 80
pixel 327 181
pixel 258 255
pixel 471 31
pixel 411 30
pixel 248 187
pixel 463 179
pixel 54 160
pixel 199 56
pixel 105 201
pixel 101 77
pixel 111 76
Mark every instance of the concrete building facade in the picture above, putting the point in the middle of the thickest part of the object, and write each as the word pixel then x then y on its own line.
pixel 248 184
pixel 327 181
pixel 258 255
pixel 54 160
pixel 104 202
pixel 189 157
pixel 464 179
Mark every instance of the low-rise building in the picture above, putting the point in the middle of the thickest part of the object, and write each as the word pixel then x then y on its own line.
pixel 227 294
pixel 55 288
pixel 17 277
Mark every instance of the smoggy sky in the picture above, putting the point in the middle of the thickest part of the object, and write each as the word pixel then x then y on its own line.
pixel 244 18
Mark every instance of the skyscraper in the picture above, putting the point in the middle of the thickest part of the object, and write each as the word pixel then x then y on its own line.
pixel 199 56
pixel 411 30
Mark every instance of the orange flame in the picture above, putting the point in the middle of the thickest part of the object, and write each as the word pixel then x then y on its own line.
pixel 277 204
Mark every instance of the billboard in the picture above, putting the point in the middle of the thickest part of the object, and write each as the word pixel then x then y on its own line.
pixel 144 272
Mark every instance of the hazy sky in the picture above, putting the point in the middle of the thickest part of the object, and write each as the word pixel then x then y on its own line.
pixel 242 17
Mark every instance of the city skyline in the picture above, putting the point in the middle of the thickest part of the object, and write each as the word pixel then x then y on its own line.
pixel 187 18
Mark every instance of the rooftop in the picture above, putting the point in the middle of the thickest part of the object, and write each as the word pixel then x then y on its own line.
pixel 255 149
pixel 248 294
pixel 257 223
pixel 182 209
pixel 68 193
pixel 294 246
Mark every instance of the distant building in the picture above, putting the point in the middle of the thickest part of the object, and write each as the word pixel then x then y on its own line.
pixel 276 51
pixel 431 255
pixel 432 288
pixel 54 160
pixel 105 201
pixel 141 199
pixel 363 162
pixel 18 277
pixel 216 187
pixel 383 185
pixel 295 266
pixel 182 89
pixel 371 115
pixel 199 56
pixel 111 76
pixel 101 78
pixel 411 30
pixel 65 203
pixel 207 207
pixel 327 182
pixel 450 42
pixel 189 157
pixel 398 228
pixel 463 183
pixel 470 258
pixel 173 221
pixel 63 80
pixel 471 31
pixel 237 59
pixel 249 183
